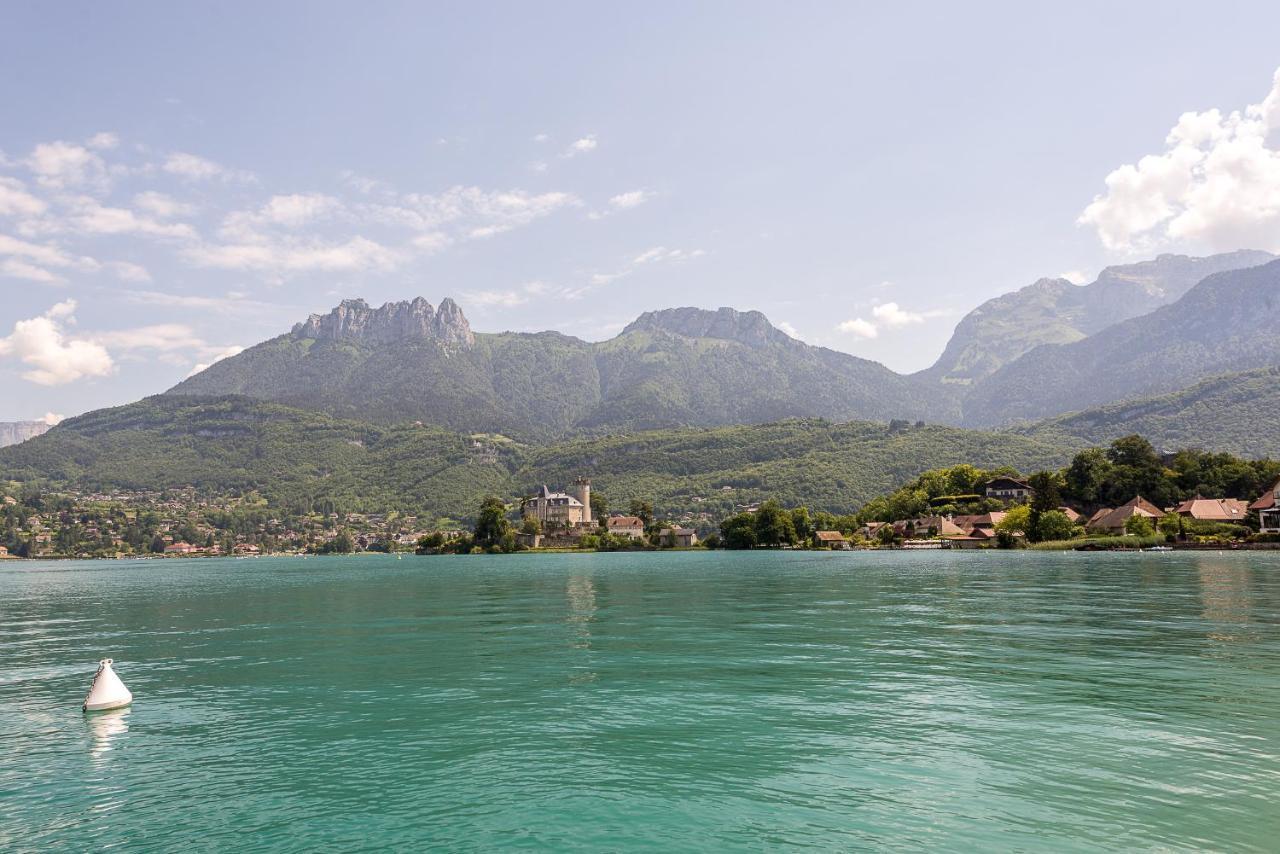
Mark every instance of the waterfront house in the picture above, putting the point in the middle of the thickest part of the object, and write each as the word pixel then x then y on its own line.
pixel 180 548
pixel 1213 509
pixel 680 538
pixel 1070 514
pixel 1009 489
pixel 1111 520
pixel 1268 507
pixel 831 540
pixel 626 526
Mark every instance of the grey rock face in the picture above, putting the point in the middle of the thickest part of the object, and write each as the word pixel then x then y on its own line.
pixel 13 432
pixel 745 327
pixel 354 320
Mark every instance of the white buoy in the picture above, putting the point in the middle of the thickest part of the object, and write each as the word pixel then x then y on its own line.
pixel 107 691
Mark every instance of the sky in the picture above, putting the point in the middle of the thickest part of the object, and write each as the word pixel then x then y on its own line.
pixel 179 181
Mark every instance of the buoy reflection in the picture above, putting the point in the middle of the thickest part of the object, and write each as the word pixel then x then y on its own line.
pixel 105 728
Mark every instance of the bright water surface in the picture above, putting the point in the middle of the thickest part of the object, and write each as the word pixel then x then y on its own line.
pixel 663 702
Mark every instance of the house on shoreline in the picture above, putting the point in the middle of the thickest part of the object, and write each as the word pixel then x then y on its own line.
pixel 1112 520
pixel 1268 509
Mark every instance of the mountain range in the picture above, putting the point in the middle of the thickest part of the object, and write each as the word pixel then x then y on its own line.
pixel 405 405
pixel 1040 352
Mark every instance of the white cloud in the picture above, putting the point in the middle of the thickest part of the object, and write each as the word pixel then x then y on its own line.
pixel 164 337
pixel 890 314
pixel 860 327
pixel 1075 277
pixel 1216 183
pixel 54 359
pixel 127 271
pixel 661 253
pixel 299 209
pixel 193 167
pixel 357 253
pixel 103 141
pixel 26 260
pixel 584 145
pixel 541 137
pixel 162 205
pixel 87 215
pixel 16 201
pixel 506 299
pixel 218 357
pixel 788 328
pixel 61 165
pixel 633 199
pixel 53 419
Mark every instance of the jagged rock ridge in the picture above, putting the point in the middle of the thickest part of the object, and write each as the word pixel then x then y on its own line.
pixel 354 320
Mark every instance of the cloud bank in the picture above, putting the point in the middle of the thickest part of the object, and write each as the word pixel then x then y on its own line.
pixel 1216 184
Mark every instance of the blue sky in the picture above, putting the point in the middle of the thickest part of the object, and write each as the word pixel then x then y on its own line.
pixel 178 181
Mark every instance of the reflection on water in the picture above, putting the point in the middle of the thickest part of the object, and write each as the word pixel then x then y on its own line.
pixel 105 728
pixel 1224 588
pixel 581 591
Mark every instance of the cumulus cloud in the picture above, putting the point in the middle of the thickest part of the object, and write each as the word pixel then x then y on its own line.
pixel 53 419
pixel 162 205
pixel 52 357
pixel 1216 183
pixel 891 314
pixel 860 327
pixel 886 316
pixel 633 199
pixel 104 141
pixel 61 165
pixel 583 145
pixel 16 201
pixel 226 353
pixel 788 328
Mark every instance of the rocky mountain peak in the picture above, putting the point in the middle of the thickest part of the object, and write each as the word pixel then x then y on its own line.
pixel 745 327
pixel 354 320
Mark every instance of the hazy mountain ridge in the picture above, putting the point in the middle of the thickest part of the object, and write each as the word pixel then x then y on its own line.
pixel 1054 311
pixel 1225 323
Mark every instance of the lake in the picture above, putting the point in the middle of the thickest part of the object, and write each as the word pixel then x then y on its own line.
pixel 646 702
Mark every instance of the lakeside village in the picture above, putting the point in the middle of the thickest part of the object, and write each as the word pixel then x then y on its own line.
pixel 1126 496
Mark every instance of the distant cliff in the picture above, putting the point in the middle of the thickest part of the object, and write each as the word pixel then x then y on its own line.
pixel 13 432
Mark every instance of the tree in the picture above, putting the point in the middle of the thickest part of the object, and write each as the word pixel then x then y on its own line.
pixel 1053 525
pixel 157 544
pixel 739 531
pixel 531 526
pixel 1139 526
pixel 886 535
pixel 774 526
pixel 801 523
pixel 643 510
pixel 1045 499
pixel 1016 521
pixel 599 508
pixel 430 543
pixel 491 522
pixel 1086 475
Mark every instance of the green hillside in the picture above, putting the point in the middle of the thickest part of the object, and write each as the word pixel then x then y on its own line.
pixel 298 458
pixel 1233 413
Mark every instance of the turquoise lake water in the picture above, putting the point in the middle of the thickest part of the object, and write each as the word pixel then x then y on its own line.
pixel 649 702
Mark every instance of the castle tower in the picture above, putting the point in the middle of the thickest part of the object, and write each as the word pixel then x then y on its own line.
pixel 582 492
